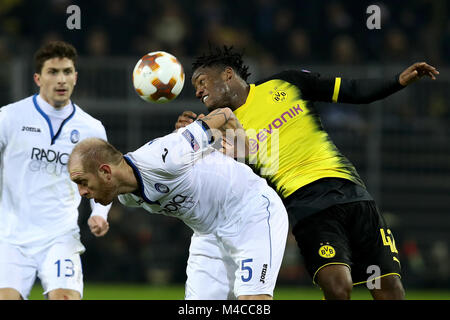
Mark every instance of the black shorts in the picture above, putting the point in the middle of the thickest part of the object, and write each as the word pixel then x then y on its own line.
pixel 354 234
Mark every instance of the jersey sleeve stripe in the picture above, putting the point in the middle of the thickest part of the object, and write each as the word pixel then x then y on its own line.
pixel 337 86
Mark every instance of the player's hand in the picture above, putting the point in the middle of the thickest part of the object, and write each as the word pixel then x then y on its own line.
pixel 98 225
pixel 417 71
pixel 187 117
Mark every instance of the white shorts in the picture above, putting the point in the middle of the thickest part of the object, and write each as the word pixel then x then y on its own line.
pixel 58 266
pixel 226 267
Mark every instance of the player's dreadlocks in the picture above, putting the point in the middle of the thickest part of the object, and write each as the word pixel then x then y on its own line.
pixel 222 57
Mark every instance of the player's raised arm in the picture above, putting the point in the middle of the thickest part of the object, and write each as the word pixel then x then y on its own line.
pixel 224 125
pixel 358 91
pixel 220 118
pixel 369 90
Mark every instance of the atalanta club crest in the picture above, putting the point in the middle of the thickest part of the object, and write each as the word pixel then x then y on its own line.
pixel 161 188
pixel 75 136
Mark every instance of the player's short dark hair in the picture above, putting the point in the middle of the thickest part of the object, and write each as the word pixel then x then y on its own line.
pixel 54 49
pixel 225 57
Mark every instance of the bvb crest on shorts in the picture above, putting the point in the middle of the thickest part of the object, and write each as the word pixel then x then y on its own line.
pixel 327 251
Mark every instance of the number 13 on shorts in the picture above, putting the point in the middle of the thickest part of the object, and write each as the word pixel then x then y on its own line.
pixel 68 268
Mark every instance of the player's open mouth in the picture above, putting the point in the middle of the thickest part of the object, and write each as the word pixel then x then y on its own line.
pixel 61 91
pixel 204 98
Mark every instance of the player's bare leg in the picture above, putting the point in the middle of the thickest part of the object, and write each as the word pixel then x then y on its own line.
pixel 335 281
pixel 9 294
pixel 255 297
pixel 391 288
pixel 64 294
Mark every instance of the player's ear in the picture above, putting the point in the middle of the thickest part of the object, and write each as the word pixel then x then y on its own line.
pixel 37 79
pixel 104 170
pixel 228 73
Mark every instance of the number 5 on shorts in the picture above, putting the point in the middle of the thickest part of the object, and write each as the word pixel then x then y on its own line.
pixel 246 268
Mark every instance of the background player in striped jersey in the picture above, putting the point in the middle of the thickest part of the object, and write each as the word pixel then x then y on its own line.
pixel 39 233
pixel 338 228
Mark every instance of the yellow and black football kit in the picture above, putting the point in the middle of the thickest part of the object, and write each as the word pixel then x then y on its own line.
pixel 290 148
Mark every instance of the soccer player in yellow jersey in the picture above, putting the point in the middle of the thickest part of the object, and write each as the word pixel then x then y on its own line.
pixel 336 223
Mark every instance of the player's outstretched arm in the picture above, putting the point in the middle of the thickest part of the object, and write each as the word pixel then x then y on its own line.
pixel 369 90
pixel 358 91
pixel 222 118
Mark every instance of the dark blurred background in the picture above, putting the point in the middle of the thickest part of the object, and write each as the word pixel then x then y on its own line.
pixel 400 146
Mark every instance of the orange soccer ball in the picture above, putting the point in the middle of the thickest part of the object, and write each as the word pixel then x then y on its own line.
pixel 158 77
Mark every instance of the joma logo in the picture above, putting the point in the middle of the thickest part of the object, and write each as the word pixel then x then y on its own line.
pixel 263 273
pixel 31 129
